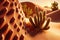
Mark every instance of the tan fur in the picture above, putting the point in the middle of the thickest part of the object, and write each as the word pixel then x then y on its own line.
pixel 11 15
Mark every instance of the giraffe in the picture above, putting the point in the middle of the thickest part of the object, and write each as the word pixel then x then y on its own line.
pixel 11 20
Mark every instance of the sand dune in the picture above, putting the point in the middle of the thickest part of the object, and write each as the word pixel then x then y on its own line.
pixel 54 32
pixel 55 16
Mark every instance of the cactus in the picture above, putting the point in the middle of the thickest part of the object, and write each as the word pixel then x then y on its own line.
pixel 27 10
pixel 39 20
pixel 54 6
pixel 37 23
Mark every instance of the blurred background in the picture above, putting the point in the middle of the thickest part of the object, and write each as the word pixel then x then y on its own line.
pixel 42 3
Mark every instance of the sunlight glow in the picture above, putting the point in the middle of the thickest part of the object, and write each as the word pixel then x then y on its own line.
pixel 26 20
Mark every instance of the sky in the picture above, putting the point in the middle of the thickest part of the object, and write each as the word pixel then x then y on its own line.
pixel 42 2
